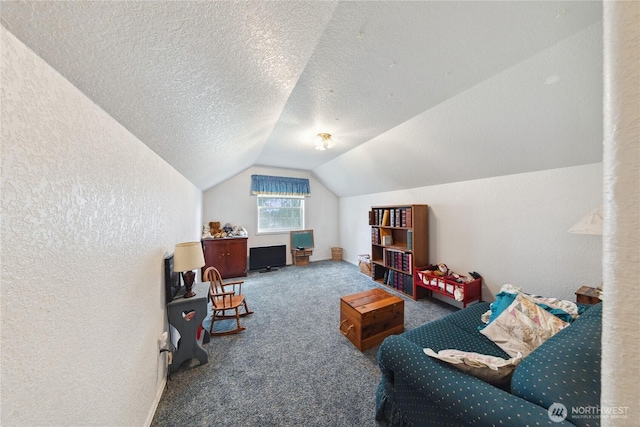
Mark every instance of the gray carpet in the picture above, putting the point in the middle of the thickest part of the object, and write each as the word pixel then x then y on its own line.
pixel 292 366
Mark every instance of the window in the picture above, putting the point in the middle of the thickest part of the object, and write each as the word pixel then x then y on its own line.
pixel 280 214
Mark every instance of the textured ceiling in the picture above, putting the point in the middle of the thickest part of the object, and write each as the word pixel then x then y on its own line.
pixel 216 87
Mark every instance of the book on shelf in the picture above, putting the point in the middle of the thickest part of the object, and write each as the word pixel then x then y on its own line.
pixel 385 218
pixel 375 236
pixel 385 235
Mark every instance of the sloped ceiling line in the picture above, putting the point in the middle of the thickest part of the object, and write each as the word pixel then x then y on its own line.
pixel 217 87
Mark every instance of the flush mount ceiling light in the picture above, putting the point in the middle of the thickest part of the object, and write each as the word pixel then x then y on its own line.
pixel 323 141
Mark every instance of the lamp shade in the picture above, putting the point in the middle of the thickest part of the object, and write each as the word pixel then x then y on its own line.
pixel 188 256
pixel 591 223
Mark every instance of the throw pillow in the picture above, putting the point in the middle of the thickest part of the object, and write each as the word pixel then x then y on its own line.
pixel 522 327
pixel 565 310
pixel 503 300
pixel 494 370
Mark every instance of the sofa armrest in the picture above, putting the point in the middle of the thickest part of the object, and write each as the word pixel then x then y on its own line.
pixel 459 394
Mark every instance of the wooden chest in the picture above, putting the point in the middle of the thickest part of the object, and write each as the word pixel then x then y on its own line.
pixel 368 317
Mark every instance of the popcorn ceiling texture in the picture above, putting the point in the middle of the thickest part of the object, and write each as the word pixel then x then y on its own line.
pixel 88 214
pixel 217 87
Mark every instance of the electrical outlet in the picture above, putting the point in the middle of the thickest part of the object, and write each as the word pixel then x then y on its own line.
pixel 163 347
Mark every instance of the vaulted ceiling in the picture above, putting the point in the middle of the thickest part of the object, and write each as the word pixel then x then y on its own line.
pixel 415 93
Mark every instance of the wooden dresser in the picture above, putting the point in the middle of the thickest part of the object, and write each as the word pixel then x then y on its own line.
pixel 228 255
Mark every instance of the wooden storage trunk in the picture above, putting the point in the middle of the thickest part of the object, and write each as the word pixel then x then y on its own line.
pixel 368 317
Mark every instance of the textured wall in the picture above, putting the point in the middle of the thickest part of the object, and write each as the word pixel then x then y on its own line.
pixel 231 202
pixel 621 251
pixel 88 213
pixel 511 229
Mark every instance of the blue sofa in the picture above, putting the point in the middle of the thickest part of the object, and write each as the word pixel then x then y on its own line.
pixel 417 390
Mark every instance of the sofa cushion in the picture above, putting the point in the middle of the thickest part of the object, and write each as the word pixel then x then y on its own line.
pixel 565 369
pixel 417 390
pixel 522 327
pixel 458 330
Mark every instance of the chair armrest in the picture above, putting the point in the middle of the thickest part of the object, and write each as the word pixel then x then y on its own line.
pixel 460 394
pixel 239 283
pixel 222 294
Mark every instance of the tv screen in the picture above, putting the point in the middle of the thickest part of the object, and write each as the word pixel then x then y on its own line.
pixel 172 282
pixel 267 258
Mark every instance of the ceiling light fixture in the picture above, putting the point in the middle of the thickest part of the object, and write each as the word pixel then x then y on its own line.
pixel 323 141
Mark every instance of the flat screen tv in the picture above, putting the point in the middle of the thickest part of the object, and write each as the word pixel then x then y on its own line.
pixel 172 282
pixel 267 258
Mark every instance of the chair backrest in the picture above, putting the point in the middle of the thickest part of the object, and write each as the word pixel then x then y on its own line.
pixel 212 275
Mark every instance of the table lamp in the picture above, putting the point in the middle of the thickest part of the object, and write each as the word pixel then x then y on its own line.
pixel 591 223
pixel 188 257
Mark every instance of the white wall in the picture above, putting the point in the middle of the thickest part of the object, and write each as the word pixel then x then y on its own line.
pixel 88 213
pixel 510 229
pixel 231 202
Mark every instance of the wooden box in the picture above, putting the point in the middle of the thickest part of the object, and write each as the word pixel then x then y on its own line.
pixel 299 257
pixel 588 295
pixel 368 317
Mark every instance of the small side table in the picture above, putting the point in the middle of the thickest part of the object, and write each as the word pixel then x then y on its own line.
pixel 301 257
pixel 186 315
pixel 588 295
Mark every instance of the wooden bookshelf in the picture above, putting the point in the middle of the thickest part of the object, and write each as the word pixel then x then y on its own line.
pixel 399 243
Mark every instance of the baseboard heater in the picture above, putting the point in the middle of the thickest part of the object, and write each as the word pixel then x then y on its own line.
pixel 267 258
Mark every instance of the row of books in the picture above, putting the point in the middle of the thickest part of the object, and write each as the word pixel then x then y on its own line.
pixel 399 281
pixel 381 236
pixel 375 236
pixel 398 259
pixel 392 217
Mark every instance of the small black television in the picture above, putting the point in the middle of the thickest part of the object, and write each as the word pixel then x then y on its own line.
pixel 267 258
pixel 172 282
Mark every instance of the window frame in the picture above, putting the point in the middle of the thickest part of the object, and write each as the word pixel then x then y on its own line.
pixel 284 230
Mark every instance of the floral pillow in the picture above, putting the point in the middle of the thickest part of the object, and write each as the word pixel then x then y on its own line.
pixel 522 327
pixel 494 370
pixel 565 310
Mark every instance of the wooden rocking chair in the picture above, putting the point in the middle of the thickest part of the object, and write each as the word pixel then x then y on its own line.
pixel 223 300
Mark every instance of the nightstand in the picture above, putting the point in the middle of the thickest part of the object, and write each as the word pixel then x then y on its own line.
pixel 588 295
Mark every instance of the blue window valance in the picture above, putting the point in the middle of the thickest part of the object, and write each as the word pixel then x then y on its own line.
pixel 279 186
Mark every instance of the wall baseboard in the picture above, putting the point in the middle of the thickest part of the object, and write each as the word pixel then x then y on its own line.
pixel 156 401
